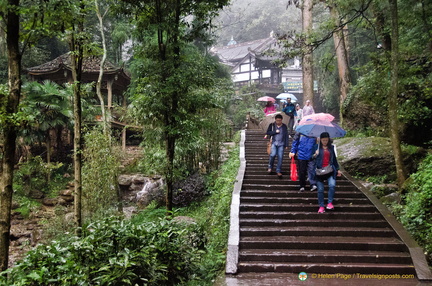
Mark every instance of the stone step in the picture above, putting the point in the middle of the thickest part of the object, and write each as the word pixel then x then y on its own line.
pixel 326 269
pixel 324 256
pixel 292 187
pixel 301 200
pixel 305 208
pixel 294 193
pixel 244 222
pixel 329 243
pixel 309 215
pixel 340 230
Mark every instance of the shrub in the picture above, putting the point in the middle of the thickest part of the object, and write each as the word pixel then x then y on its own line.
pixel 416 214
pixel 114 252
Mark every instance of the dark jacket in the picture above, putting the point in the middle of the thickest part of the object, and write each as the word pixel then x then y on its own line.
pixel 333 161
pixel 303 146
pixel 290 110
pixel 271 130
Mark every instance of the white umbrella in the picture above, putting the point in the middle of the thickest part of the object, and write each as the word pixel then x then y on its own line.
pixel 285 95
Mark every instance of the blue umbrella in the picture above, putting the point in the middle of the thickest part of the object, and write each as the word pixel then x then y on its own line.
pixel 315 130
pixel 285 95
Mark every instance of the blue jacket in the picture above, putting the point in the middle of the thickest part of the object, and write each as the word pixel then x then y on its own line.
pixel 303 146
pixel 290 110
pixel 333 161
pixel 271 130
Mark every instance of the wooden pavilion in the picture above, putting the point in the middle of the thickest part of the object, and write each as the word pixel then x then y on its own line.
pixel 115 81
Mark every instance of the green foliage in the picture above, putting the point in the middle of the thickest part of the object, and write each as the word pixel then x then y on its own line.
pixel 416 213
pixel 101 162
pixel 213 215
pixel 198 124
pixel 114 252
pixel 33 175
pixel 146 250
pixel 243 103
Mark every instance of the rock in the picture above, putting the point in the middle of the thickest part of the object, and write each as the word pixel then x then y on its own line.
pixel 152 190
pixel 36 194
pixel 66 192
pixel 125 180
pixel 69 217
pixel 391 198
pixel 68 199
pixel 129 211
pixel 50 201
pixel 372 156
pixel 384 189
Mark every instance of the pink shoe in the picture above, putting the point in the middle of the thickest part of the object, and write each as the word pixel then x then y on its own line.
pixel 321 210
pixel 330 206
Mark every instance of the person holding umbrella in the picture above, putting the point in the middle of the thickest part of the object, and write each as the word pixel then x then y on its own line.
pixel 304 146
pixel 278 133
pixel 269 108
pixel 327 170
pixel 290 110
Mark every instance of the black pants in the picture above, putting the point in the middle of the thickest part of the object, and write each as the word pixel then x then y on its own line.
pixel 302 171
pixel 290 126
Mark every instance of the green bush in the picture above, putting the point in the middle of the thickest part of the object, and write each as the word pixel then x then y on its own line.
pixel 416 213
pixel 101 163
pixel 114 252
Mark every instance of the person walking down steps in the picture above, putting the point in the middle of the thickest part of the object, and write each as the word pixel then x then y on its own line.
pixel 304 147
pixel 328 169
pixel 278 134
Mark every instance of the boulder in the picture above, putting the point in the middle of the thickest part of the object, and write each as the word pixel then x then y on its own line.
pixel 373 156
pixel 152 190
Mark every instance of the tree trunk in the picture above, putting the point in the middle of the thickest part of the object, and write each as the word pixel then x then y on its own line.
pixel 101 70
pixel 9 132
pixel 308 83
pixel 393 95
pixel 77 61
pixel 48 147
pixel 342 60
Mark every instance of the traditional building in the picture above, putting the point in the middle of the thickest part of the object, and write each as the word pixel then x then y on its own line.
pixel 250 64
pixel 115 81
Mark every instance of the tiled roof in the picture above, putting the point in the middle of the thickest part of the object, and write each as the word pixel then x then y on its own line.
pixel 90 64
pixel 234 53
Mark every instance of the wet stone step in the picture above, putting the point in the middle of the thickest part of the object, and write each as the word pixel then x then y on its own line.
pixel 324 256
pixel 327 268
pixel 324 243
pixel 302 200
pixel 313 222
pixel 305 207
pixel 317 231
pixel 309 215
pixel 339 193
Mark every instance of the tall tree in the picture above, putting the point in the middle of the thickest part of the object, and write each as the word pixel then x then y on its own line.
pixel 307 62
pixel 9 107
pixel 100 17
pixel 393 95
pixel 76 43
pixel 169 25
pixel 342 58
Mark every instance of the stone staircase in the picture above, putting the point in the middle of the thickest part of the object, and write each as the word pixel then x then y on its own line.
pixel 281 231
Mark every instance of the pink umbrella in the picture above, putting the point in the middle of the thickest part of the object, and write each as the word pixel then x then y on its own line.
pixel 316 118
pixel 266 98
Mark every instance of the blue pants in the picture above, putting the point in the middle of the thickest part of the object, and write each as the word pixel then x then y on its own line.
pixel 320 184
pixel 311 172
pixel 279 151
